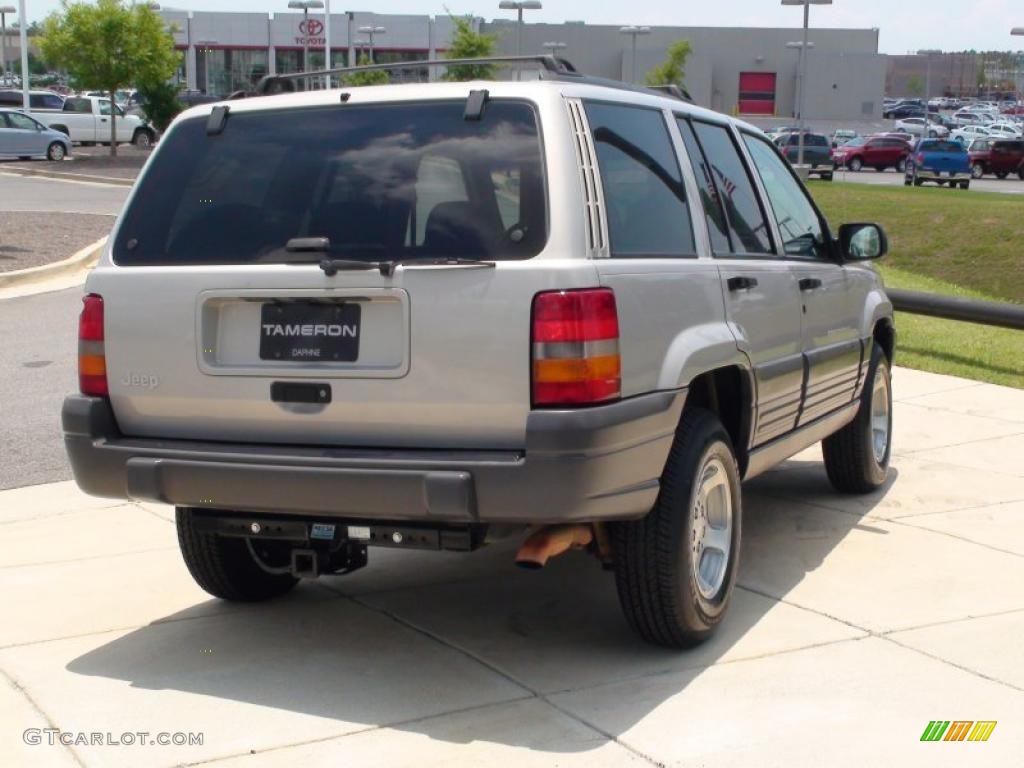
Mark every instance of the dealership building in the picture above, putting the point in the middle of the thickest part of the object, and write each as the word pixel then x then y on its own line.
pixel 732 69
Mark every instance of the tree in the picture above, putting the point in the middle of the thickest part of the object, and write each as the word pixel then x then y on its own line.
pixel 373 77
pixel 108 46
pixel 467 44
pixel 672 71
pixel 915 85
pixel 160 103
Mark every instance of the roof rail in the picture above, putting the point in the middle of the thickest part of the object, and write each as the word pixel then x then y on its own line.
pixel 550 67
pixel 673 90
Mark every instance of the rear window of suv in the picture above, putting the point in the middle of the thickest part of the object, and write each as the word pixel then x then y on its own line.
pixel 383 181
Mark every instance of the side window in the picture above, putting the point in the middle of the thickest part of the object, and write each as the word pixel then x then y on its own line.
pixel 105 107
pixel 438 181
pixel 747 224
pixel 643 186
pixel 802 234
pixel 21 122
pixel 79 106
pixel 3 121
pixel 718 227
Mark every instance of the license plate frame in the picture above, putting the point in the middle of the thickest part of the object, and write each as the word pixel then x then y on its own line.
pixel 310 331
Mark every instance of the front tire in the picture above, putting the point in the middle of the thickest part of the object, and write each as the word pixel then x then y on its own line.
pixel 224 566
pixel 676 568
pixel 55 152
pixel 142 139
pixel 857 456
pixel 977 171
pixel 856 164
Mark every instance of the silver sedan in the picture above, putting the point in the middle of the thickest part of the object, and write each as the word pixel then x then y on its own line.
pixel 25 137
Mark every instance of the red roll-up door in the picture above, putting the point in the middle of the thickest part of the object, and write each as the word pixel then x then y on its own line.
pixel 757 93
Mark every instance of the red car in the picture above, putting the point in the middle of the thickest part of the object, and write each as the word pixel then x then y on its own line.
pixel 878 152
pixel 999 156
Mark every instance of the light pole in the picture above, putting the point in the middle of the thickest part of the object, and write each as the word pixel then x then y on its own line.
pixel 1018 32
pixel 370 31
pixel 803 71
pixel 519 6
pixel 634 32
pixel 4 10
pixel 928 53
pixel 555 47
pixel 799 46
pixel 304 6
pixel 23 39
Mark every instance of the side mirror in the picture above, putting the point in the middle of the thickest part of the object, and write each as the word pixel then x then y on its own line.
pixel 862 242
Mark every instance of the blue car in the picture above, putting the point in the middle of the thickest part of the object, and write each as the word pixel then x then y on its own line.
pixel 939 160
pixel 25 137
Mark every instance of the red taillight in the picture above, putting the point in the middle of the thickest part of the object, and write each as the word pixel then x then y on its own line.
pixel 575 347
pixel 919 159
pixel 92 360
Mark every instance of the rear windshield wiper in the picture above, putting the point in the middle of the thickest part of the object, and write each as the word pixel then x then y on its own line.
pixel 441 261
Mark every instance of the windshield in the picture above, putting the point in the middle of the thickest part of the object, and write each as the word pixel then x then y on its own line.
pixel 857 142
pixel 380 182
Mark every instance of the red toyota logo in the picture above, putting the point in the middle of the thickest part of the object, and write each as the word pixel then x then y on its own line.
pixel 311 28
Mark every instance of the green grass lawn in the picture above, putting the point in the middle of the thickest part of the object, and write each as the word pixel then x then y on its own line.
pixel 950 242
pixel 971 239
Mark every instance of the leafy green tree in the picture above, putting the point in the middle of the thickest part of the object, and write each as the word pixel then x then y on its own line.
pixel 109 46
pixel 915 85
pixel 160 103
pixel 672 71
pixel 467 44
pixel 373 77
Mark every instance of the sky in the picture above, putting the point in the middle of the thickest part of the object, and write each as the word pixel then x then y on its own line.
pixel 906 25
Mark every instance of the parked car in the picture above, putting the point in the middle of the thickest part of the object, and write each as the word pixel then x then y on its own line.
pixel 971 117
pixel 1004 130
pixel 25 137
pixel 969 133
pixel 468 341
pixel 997 156
pixel 842 136
pixel 86 120
pixel 39 101
pixel 878 152
pixel 941 161
pixel 919 126
pixel 902 111
pixel 817 152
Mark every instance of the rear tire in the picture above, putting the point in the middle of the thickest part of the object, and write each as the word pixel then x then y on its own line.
pixel 223 566
pixel 963 185
pixel 857 456
pixel 901 166
pixel 673 577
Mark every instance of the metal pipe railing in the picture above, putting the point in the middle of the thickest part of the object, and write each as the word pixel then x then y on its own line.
pixel 958 308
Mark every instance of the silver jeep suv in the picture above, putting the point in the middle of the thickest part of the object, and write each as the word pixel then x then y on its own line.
pixel 429 316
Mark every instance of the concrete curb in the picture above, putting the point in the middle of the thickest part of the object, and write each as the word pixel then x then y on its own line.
pixel 85 258
pixel 92 178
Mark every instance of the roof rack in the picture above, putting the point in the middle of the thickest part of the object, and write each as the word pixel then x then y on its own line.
pixel 551 67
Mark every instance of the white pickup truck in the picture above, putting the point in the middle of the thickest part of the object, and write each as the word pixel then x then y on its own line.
pixel 86 120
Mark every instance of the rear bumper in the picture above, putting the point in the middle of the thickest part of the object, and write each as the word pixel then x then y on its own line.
pixel 926 175
pixel 599 463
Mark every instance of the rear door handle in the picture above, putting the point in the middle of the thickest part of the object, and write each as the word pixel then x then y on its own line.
pixel 809 283
pixel 741 283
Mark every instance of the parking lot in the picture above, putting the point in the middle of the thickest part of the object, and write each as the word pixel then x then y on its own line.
pixel 857 621
pixel 890 178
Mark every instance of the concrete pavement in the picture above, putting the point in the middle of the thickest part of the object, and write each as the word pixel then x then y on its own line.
pixel 856 622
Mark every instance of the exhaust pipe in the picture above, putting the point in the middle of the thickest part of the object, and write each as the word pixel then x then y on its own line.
pixel 550 541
